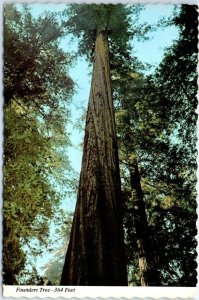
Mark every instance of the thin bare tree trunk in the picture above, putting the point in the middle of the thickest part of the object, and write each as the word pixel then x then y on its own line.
pixel 96 253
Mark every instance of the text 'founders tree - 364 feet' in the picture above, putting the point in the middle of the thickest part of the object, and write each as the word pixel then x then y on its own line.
pixel 96 254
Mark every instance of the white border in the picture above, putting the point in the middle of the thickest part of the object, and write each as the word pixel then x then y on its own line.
pixel 104 292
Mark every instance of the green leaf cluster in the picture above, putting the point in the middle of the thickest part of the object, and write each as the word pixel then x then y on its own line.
pixel 115 20
pixel 39 78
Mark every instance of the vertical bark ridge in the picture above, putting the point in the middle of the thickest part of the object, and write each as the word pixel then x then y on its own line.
pixel 95 254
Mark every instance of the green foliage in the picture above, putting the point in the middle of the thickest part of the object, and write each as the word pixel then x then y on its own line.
pixel 177 77
pixel 30 200
pixel 113 19
pixel 156 123
pixel 37 92
pixel 175 229
pixel 40 77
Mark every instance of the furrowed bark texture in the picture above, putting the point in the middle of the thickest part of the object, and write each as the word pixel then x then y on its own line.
pixel 146 254
pixel 95 254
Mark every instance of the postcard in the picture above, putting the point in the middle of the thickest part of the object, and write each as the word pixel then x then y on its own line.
pixel 99 137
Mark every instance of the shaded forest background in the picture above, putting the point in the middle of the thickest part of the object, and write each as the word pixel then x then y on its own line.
pixel 156 131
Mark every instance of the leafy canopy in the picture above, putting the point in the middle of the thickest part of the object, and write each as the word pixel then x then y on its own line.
pixel 37 96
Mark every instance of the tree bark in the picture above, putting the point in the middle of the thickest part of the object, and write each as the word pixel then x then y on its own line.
pixel 147 258
pixel 149 274
pixel 96 254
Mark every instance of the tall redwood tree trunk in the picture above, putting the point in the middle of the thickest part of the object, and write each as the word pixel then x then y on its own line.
pixel 95 253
